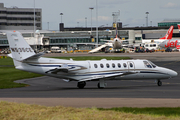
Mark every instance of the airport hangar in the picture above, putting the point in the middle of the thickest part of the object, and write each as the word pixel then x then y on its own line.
pixel 22 19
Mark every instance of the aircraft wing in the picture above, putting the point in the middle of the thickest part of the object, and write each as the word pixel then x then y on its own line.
pixel 110 41
pixel 107 76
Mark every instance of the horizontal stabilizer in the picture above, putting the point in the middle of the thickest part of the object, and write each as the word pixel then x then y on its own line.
pixel 35 56
pixel 10 55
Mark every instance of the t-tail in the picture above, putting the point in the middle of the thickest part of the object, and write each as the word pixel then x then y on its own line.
pixel 169 33
pixel 20 49
pixel 116 32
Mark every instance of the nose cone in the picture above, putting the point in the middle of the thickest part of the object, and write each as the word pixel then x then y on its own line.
pixel 168 72
pixel 172 73
pixel 161 44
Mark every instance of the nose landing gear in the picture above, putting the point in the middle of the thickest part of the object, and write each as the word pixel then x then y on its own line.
pixel 101 84
pixel 159 83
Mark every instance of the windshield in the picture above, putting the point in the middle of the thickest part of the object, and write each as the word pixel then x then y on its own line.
pixel 152 64
pixel 149 64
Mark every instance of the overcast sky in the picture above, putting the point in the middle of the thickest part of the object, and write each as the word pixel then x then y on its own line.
pixel 132 12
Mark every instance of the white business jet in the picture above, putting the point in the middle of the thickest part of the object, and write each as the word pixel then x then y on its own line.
pixel 82 71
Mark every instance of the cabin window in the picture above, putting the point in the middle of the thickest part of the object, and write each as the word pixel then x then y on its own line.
pixel 124 64
pixel 95 65
pixel 147 64
pixel 113 65
pixel 131 65
pixel 107 65
pixel 101 65
pixel 119 65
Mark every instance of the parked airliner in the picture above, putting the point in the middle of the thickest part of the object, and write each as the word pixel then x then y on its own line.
pixel 171 43
pixel 82 71
pixel 168 36
pixel 116 44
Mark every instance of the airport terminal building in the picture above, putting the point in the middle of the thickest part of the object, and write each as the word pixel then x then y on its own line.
pixel 169 22
pixel 15 18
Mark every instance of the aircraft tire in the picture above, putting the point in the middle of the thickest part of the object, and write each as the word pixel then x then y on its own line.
pixel 159 83
pixel 81 85
pixel 99 86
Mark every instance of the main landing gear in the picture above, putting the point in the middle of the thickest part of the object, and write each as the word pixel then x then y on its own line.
pixel 159 83
pixel 81 84
pixel 100 85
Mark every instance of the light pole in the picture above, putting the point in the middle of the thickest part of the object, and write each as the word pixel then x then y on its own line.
pixel 151 23
pixel 77 24
pixel 96 23
pixel 61 16
pixel 34 19
pixel 85 21
pixel 91 8
pixel 147 19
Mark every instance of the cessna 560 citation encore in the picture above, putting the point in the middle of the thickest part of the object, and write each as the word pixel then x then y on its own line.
pixel 82 71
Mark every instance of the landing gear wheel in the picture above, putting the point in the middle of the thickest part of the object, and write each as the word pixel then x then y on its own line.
pixel 159 83
pixel 99 86
pixel 81 84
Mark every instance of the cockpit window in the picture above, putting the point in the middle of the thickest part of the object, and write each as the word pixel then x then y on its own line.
pixel 153 65
pixel 147 64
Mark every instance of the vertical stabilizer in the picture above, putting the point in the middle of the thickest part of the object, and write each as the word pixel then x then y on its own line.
pixel 169 33
pixel 178 27
pixel 20 49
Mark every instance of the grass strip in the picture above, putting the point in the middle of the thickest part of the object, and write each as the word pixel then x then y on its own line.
pixel 162 111
pixel 15 111
pixel 10 74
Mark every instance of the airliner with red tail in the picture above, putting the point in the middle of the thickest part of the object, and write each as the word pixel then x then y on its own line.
pixel 168 36
pixel 171 43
